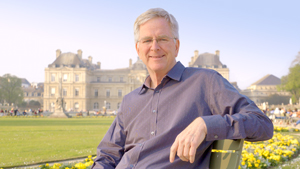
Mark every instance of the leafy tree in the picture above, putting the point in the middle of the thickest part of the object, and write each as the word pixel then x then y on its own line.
pixel 34 103
pixel 291 82
pixel 277 99
pixel 11 89
pixel 296 60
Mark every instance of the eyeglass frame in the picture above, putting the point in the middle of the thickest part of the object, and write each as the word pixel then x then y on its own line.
pixel 156 39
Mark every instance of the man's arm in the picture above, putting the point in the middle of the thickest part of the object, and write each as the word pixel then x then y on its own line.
pixel 234 116
pixel 111 148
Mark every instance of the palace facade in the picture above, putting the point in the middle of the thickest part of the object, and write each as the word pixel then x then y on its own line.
pixel 85 86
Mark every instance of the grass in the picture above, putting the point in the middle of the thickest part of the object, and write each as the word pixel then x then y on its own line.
pixel 26 141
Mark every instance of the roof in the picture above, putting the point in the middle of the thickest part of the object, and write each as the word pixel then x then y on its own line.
pixel 268 80
pixel 25 81
pixel 68 59
pixel 208 59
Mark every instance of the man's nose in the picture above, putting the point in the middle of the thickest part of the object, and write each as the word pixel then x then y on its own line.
pixel 155 45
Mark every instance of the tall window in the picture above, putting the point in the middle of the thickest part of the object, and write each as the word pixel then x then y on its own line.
pixel 107 105
pixel 96 92
pixel 96 105
pixel 64 92
pixel 76 78
pixel 107 93
pixel 98 79
pixel 121 79
pixel 76 106
pixel 119 104
pixel 65 77
pixel 76 92
pixel 52 91
pixel 109 79
pixel 120 93
pixel 52 77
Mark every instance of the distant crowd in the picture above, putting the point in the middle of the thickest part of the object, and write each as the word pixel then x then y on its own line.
pixel 287 116
pixel 17 112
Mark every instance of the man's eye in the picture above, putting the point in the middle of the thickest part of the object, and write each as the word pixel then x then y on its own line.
pixel 147 41
pixel 163 40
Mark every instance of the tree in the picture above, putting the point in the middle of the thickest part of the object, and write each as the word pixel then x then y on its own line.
pixel 291 82
pixel 296 60
pixel 11 89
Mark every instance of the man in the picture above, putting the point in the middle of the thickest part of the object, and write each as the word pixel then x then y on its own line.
pixel 172 120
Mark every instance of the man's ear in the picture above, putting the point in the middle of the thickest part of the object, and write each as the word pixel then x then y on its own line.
pixel 177 45
pixel 137 48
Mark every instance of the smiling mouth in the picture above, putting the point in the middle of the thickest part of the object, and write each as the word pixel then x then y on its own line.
pixel 157 57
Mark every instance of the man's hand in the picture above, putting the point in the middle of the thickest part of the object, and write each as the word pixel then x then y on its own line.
pixel 187 142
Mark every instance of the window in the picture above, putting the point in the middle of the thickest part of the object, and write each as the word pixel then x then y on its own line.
pixel 76 106
pixel 39 94
pixel 64 92
pixel 98 79
pixel 52 91
pixel 76 78
pixel 119 104
pixel 96 105
pixel 96 92
pixel 121 79
pixel 109 79
pixel 65 78
pixel 76 92
pixel 52 77
pixel 107 93
pixel 107 105
pixel 120 93
pixel 25 94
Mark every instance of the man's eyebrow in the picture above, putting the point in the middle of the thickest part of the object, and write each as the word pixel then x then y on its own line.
pixel 160 36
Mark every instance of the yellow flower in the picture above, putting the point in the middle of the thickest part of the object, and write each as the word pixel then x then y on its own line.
pixel 258 161
pixel 243 163
pixel 90 156
pixel 47 164
pixel 256 165
pixel 249 164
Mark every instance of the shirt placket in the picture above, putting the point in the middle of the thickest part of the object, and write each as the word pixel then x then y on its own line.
pixel 154 111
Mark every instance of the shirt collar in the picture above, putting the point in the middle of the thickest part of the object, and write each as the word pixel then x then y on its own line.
pixel 175 73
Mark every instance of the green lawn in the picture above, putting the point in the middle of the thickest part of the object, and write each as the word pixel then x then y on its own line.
pixel 34 140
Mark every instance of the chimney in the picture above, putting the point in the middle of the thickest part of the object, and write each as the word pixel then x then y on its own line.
pixel 58 52
pixel 217 52
pixel 99 65
pixel 90 59
pixel 130 62
pixel 79 53
pixel 196 54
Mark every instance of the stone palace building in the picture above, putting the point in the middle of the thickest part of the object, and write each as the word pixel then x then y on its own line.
pixel 85 86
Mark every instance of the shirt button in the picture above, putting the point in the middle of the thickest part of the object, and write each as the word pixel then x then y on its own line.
pixel 131 165
pixel 216 136
pixel 157 91
pixel 152 132
pixel 153 111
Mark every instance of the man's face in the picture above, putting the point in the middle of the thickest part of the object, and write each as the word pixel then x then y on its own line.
pixel 158 57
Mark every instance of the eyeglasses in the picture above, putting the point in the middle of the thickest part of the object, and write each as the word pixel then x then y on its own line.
pixel 160 40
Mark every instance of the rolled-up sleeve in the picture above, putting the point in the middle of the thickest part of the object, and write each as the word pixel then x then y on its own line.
pixel 111 148
pixel 234 116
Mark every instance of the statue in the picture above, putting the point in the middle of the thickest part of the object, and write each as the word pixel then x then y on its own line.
pixel 59 111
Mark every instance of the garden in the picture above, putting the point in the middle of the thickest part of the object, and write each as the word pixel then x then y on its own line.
pixel 39 140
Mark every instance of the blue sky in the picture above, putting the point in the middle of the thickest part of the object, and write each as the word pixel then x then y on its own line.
pixel 255 38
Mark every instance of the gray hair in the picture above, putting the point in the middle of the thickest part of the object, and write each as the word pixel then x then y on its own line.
pixel 153 13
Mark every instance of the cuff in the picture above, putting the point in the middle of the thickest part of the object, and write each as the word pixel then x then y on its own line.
pixel 216 127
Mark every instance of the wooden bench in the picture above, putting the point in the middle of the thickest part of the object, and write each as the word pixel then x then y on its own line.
pixel 226 154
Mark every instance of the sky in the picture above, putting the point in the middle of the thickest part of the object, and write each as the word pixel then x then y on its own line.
pixel 254 37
